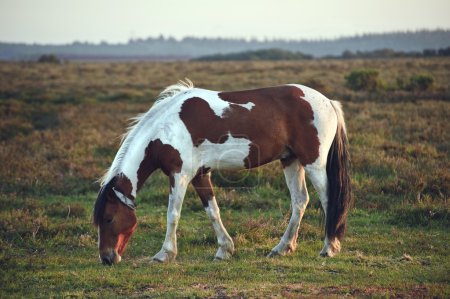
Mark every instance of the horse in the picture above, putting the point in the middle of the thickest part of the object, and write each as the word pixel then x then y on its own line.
pixel 189 132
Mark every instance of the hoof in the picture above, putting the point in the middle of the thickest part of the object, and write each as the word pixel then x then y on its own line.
pixel 330 249
pixel 328 253
pixel 163 257
pixel 282 249
pixel 273 254
pixel 224 253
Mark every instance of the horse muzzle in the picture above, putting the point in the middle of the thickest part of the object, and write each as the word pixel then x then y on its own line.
pixel 110 258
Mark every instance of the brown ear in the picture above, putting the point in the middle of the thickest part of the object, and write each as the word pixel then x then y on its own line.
pixel 99 207
pixel 109 194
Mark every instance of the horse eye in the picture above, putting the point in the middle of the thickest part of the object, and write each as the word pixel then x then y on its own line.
pixel 109 220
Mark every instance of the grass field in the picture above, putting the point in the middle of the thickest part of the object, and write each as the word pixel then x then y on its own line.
pixel 59 128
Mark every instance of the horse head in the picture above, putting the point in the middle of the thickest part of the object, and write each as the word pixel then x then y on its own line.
pixel 115 218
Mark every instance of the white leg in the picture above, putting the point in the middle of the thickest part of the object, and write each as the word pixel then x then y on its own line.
pixel 319 179
pixel 226 245
pixel 169 250
pixel 202 184
pixel 295 179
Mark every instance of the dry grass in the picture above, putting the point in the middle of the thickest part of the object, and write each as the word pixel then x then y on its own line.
pixel 59 123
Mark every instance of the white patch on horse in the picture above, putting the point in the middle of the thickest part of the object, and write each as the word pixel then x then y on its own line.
pixel 228 155
pixel 325 121
pixel 218 105
pixel 247 106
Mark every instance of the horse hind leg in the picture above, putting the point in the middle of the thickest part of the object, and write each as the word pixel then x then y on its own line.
pixel 203 187
pixel 295 179
pixel 319 179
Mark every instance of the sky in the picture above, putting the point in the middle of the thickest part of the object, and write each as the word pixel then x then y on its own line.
pixel 114 21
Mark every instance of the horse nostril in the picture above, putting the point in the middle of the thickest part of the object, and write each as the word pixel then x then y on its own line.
pixel 106 260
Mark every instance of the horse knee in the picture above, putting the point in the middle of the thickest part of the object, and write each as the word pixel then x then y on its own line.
pixel 173 217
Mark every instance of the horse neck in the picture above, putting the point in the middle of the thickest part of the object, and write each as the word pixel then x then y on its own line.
pixel 134 171
pixel 137 156
pixel 123 183
pixel 133 165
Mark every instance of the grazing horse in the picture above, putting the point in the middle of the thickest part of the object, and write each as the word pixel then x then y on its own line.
pixel 190 131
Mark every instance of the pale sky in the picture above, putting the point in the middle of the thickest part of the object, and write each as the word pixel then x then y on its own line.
pixel 65 21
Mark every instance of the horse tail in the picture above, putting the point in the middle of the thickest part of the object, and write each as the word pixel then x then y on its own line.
pixel 339 189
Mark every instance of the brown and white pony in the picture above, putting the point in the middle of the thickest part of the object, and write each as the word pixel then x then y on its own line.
pixel 191 131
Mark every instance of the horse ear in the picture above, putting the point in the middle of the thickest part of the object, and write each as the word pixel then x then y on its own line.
pixel 109 195
pixel 99 207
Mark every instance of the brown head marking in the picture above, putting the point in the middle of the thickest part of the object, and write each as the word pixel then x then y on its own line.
pixel 116 222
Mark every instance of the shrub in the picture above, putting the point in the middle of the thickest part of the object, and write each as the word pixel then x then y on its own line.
pixel 49 58
pixel 420 82
pixel 363 79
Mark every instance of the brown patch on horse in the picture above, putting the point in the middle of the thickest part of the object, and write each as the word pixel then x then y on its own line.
pixel 159 155
pixel 203 187
pixel 203 171
pixel 123 184
pixel 280 119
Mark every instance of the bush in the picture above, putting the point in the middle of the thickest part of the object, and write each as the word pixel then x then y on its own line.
pixel 364 79
pixel 420 82
pixel 49 58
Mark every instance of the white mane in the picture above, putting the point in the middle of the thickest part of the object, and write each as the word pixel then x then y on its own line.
pixel 136 123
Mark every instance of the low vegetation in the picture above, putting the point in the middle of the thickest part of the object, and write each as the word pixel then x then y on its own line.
pixel 59 128
pixel 266 54
pixel 364 79
pixel 420 82
pixel 49 58
pixel 281 54
pixel 368 80
pixel 389 53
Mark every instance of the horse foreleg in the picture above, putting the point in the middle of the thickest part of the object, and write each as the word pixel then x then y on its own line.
pixel 295 179
pixel 202 184
pixel 169 250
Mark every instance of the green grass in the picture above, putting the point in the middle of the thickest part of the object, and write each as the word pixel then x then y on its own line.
pixel 59 128
pixel 60 259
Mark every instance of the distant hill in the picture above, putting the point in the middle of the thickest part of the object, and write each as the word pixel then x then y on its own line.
pixel 162 48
